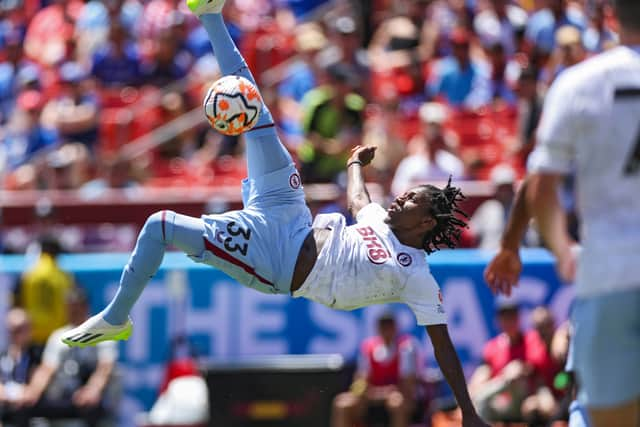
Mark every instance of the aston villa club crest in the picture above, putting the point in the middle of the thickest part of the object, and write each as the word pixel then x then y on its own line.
pixel 404 259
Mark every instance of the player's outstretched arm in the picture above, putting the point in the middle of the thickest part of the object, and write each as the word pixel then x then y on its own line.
pixel 452 370
pixel 357 194
pixel 504 269
pixel 542 196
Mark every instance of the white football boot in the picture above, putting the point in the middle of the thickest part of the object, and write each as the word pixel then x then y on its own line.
pixel 95 330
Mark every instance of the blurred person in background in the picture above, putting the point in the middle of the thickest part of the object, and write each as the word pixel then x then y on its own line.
pixel 540 407
pixel 332 123
pixel 568 51
pixel 72 383
pixel 75 111
pixel 17 363
pixel 25 137
pixel 500 23
pixel 432 153
pixel 95 18
pixel 301 76
pixel 172 157
pixel 156 16
pixel 458 79
pixel 12 73
pixel 489 219
pixel 387 375
pixel 117 63
pixel 169 62
pixel 112 172
pixel 502 76
pixel 508 374
pixel 51 31
pixel 397 57
pixel 66 168
pixel 395 40
pixel 444 17
pixel 24 177
pixel 42 291
pixel 599 35
pixel 346 45
pixel 554 14
pixel 529 105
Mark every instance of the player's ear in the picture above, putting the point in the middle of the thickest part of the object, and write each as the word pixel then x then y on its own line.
pixel 428 222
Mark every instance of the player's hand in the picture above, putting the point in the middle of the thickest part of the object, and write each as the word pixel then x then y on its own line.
pixel 362 154
pixel 503 271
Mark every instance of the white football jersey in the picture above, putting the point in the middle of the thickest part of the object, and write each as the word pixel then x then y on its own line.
pixel 591 127
pixel 365 264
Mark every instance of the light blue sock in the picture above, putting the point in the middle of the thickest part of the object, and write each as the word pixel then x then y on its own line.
pixel 162 229
pixel 264 151
pixel 143 264
pixel 228 56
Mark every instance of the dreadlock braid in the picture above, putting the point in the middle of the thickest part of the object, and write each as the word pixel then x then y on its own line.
pixel 444 207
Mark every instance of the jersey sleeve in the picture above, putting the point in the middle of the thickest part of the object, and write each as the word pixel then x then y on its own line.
pixel 422 295
pixel 371 212
pixel 556 136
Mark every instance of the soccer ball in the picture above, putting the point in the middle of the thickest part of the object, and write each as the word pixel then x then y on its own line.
pixel 232 105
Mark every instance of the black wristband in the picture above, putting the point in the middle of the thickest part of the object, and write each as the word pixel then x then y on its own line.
pixel 355 162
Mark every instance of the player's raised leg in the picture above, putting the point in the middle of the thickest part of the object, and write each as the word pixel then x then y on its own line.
pixel 161 229
pixel 264 153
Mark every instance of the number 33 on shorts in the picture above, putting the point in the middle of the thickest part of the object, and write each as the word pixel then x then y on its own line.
pixel 236 239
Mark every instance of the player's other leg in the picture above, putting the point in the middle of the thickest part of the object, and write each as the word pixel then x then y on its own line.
pixel 607 351
pixel 161 229
pixel 265 153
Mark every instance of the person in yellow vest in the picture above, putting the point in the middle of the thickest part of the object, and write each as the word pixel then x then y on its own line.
pixel 42 291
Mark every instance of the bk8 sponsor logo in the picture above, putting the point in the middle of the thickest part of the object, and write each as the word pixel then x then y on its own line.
pixel 376 252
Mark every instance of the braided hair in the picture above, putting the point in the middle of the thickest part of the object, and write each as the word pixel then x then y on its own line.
pixel 443 208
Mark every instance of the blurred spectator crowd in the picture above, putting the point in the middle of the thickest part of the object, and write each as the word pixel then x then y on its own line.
pixel 98 94
pixel 520 381
pixel 104 94
pixel 41 377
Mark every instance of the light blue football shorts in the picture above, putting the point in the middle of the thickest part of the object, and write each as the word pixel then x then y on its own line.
pixel 259 245
pixel 606 348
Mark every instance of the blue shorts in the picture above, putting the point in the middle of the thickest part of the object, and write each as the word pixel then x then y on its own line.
pixel 259 245
pixel 606 354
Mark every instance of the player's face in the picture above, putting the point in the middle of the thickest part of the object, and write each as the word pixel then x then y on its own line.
pixel 410 210
pixel 387 330
pixel 20 332
pixel 509 322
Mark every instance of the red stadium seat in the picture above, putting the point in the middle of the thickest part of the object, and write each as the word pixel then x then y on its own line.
pixel 115 129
